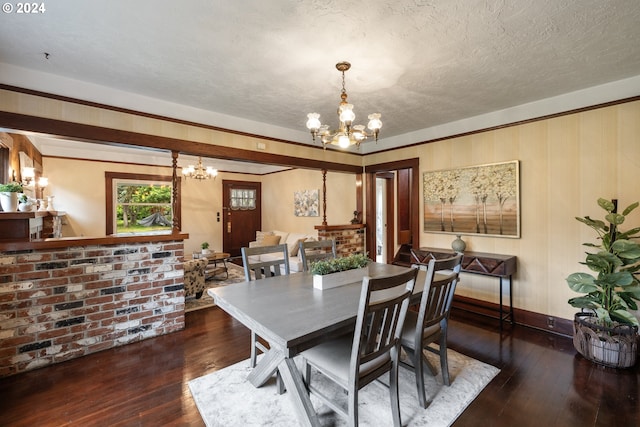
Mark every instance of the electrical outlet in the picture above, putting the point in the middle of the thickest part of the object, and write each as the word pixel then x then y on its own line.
pixel 551 322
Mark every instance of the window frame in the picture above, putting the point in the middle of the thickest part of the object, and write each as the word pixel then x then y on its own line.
pixel 110 206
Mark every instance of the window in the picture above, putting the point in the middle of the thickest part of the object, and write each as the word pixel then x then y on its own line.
pixel 243 199
pixel 139 204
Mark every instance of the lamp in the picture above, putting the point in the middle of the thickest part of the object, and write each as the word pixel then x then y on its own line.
pixel 347 133
pixel 28 175
pixel 42 183
pixel 199 171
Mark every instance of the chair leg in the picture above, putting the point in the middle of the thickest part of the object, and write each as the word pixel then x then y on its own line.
pixel 306 372
pixel 394 394
pixel 444 364
pixel 353 408
pixel 253 349
pixel 280 383
pixel 418 367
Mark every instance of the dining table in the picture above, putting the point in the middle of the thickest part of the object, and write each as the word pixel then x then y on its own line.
pixel 292 316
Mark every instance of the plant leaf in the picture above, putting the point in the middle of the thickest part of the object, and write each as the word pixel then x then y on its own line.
pixel 602 262
pixel 624 316
pixel 605 204
pixel 596 224
pixel 629 233
pixel 585 302
pixel 626 249
pixel 583 283
pixel 603 314
pixel 614 218
pixel 619 278
pixel 629 208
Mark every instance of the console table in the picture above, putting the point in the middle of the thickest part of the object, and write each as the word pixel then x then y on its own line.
pixel 487 264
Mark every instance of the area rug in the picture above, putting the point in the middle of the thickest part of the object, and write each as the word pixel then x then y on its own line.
pixel 225 398
pixel 236 274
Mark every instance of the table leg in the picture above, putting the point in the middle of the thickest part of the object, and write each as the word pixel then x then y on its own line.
pixel 273 361
pixel 266 367
pixel 298 392
pixel 226 268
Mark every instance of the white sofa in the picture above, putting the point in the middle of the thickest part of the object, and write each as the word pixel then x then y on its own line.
pixel 291 239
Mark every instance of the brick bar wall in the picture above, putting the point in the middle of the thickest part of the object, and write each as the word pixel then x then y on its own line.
pixel 348 241
pixel 60 304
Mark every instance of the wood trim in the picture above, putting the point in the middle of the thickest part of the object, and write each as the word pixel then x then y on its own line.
pixel 359 193
pixel 108 191
pixel 153 116
pixel 102 135
pixel 370 192
pixel 72 242
pixel 554 325
pixel 339 227
pixel 231 131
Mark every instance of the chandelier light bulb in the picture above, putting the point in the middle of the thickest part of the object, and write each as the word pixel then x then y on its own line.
pixel 344 141
pixel 374 121
pixel 347 116
pixel 211 171
pixel 313 124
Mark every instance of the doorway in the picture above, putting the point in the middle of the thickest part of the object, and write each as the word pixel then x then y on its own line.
pixel 385 223
pixel 403 204
pixel 242 214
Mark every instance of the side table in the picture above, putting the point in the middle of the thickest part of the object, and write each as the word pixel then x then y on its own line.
pixel 496 265
pixel 217 265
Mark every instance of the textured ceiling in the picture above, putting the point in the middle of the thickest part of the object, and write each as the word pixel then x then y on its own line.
pixel 420 63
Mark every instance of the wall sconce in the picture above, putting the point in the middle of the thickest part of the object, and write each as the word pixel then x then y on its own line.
pixel 28 175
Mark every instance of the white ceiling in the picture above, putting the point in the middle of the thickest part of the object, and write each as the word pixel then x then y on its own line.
pixel 432 68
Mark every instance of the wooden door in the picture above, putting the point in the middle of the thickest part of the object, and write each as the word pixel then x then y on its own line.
pixel 242 214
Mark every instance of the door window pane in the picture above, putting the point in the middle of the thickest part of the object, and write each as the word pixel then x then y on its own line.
pixel 243 199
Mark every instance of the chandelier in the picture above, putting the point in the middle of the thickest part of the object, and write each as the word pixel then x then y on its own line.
pixel 199 171
pixel 347 133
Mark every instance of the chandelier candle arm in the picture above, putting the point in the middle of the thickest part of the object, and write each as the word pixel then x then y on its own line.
pixel 347 133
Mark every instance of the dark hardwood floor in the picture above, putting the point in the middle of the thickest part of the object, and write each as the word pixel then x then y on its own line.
pixel 542 381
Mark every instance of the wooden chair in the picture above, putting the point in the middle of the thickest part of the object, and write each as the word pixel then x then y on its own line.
pixel 430 323
pixel 260 262
pixel 316 250
pixel 353 361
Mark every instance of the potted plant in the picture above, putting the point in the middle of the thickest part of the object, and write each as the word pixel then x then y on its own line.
pixel 334 272
pixel 606 332
pixel 205 248
pixel 9 196
pixel 24 203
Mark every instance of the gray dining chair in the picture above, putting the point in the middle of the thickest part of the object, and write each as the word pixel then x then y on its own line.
pixel 354 360
pixel 260 262
pixel 316 250
pixel 430 323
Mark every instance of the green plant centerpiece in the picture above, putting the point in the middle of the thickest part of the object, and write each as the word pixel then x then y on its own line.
pixel 333 272
pixel 606 324
pixel 11 187
pixel 334 265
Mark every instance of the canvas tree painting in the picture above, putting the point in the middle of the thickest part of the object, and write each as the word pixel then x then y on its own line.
pixel 475 200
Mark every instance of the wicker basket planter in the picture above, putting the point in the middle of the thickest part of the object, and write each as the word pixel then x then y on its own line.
pixel 616 347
